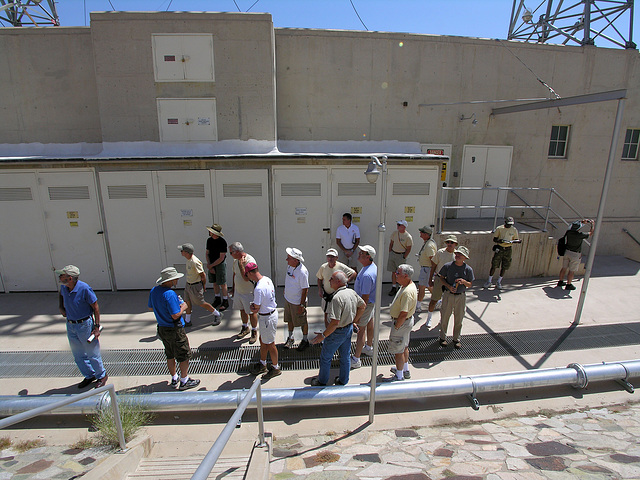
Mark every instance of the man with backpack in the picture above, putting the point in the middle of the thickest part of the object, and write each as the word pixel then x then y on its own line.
pixel 573 251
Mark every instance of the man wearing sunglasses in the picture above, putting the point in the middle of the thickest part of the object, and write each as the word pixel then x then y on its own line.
pixel 456 277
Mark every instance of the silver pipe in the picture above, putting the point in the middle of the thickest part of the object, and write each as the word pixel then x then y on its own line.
pixel 574 375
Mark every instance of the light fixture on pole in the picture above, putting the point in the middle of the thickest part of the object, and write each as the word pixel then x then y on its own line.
pixel 376 169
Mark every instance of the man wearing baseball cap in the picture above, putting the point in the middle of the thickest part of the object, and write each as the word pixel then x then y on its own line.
pixel 456 277
pixel 426 253
pixel 196 285
pixel 325 290
pixel 399 250
pixel 504 237
pixel 168 308
pixel 79 305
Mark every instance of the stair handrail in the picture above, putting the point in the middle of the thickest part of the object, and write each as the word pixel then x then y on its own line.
pixel 210 459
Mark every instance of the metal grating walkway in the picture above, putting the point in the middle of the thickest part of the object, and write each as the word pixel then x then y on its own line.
pixel 130 362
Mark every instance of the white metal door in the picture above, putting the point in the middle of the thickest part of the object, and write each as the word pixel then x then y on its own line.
pixel 74 224
pixel 23 234
pixel 411 196
pixel 131 209
pixel 301 216
pixel 186 211
pixel 484 166
pixel 351 193
pixel 241 207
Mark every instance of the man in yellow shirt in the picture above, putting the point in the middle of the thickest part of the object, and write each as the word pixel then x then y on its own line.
pixel 401 310
pixel 504 237
pixel 195 287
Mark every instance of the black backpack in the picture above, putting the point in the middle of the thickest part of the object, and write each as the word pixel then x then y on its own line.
pixel 562 245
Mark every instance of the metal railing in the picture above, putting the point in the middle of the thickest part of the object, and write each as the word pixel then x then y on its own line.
pixel 19 417
pixel 497 207
pixel 212 456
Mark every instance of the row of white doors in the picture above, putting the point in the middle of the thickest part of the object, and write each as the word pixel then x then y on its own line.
pixel 122 228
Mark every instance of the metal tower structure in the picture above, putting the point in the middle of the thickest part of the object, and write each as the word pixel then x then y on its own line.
pixel 24 13
pixel 581 22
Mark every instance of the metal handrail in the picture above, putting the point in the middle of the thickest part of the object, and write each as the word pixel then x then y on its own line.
pixel 496 207
pixel 19 417
pixel 210 459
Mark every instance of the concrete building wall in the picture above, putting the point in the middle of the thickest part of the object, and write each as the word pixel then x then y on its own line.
pixel 335 85
pixel 48 92
pixel 127 91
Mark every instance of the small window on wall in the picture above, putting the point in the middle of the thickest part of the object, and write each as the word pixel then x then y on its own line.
pixel 630 147
pixel 558 142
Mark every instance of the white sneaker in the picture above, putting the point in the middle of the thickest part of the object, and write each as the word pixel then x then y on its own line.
pixel 419 307
pixel 406 374
pixel 428 324
pixel 355 363
pixel 487 284
pixel 367 350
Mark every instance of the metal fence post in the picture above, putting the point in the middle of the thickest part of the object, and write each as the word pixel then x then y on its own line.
pixel 261 442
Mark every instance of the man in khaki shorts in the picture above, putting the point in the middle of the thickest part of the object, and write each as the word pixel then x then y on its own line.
pixel 243 291
pixel 195 287
pixel 296 287
pixel 399 250
pixel 401 310
pixel 442 256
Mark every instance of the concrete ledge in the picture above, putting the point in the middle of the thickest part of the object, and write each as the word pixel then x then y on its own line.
pixel 119 465
pixel 258 468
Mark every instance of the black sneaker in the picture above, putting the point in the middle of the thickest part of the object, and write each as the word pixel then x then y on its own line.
pixel 174 383
pixel 217 302
pixel 316 383
pixel 337 381
pixel 188 324
pixel 289 343
pixel 569 287
pixel 304 344
pixel 191 383
pixel 560 283
pixel 224 305
pixel 86 382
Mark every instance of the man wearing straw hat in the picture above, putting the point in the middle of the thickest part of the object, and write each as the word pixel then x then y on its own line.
pixel 456 277
pixel 168 308
pixel 216 250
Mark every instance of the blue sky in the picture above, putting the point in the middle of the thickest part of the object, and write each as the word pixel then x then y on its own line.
pixel 471 18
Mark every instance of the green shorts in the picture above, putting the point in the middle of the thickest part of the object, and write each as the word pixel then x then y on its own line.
pixel 502 259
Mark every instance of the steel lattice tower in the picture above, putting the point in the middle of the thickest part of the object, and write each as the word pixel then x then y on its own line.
pixel 582 22
pixel 23 13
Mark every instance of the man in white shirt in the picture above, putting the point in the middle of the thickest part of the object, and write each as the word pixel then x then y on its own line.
pixel 348 239
pixel 296 288
pixel 264 304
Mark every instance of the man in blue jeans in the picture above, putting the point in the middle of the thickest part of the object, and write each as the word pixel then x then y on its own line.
pixel 79 304
pixel 344 310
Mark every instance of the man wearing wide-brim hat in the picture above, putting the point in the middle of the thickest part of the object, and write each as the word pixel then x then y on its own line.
pixel 456 277
pixel 216 250
pixel 442 256
pixel 168 308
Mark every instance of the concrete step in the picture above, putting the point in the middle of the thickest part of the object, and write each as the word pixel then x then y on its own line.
pixel 182 468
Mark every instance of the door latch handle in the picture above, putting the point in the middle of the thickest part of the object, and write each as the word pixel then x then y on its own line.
pixel 101 232
pixel 326 229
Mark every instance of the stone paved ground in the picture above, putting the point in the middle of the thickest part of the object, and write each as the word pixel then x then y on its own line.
pixel 594 444
pixel 49 462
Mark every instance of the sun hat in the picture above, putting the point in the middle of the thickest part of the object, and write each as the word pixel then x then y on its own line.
pixel 451 238
pixel 168 274
pixel 216 230
pixel 463 250
pixel 426 229
pixel 295 253
pixel 332 252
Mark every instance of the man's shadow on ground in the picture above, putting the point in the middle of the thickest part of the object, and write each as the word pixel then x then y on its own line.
pixel 557 293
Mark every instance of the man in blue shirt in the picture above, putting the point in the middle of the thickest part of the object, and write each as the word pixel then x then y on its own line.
pixel 365 286
pixel 79 305
pixel 168 309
